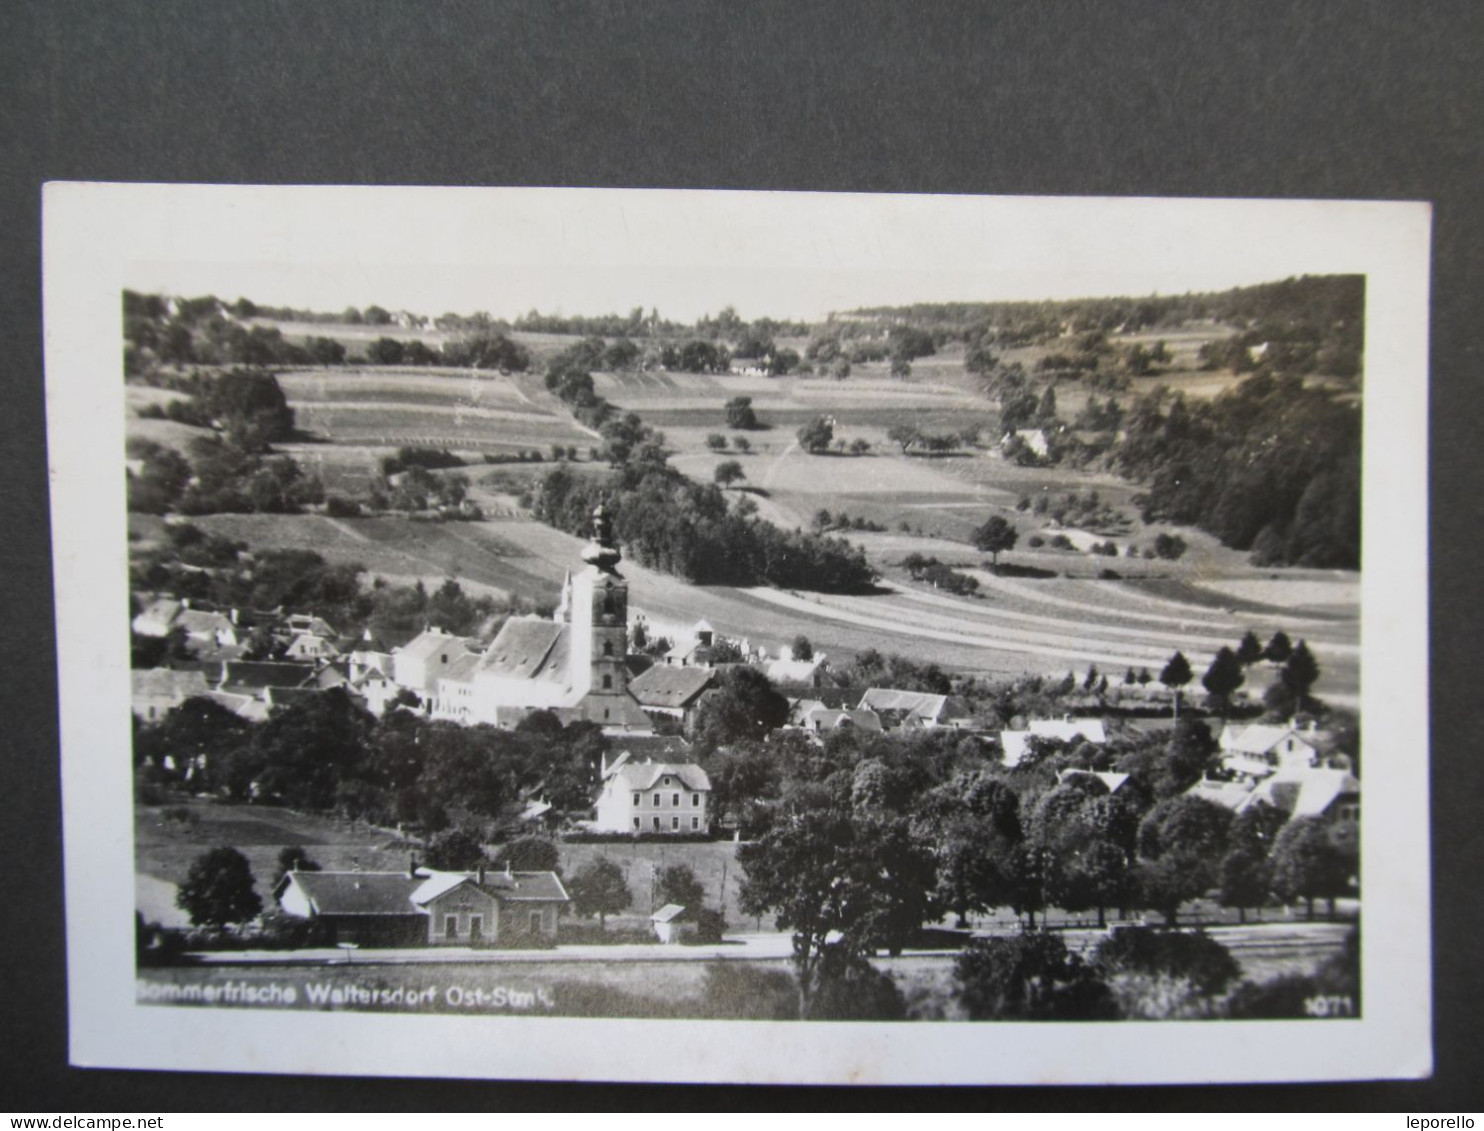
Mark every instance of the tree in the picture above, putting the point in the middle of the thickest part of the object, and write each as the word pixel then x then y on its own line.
pixel 997 535
pixel 745 705
pixel 678 884
pixel 455 850
pixel 1181 841
pixel 716 442
pixel 801 649
pixel 1246 870
pixel 1029 977
pixel 1223 677
pixel 1169 546
pixel 218 890
pixel 1300 673
pixel 902 434
pixel 742 444
pixel 1249 649
pixel 1176 674
pixel 295 859
pixel 816 436
pixel 385 351
pixel 834 877
pixel 1306 865
pixel 1279 648
pixel 728 472
pixel 530 854
pixel 740 414
pixel 599 888
pixel 1195 958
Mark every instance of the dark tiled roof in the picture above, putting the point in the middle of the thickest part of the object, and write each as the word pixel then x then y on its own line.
pixel 390 893
pixel 664 686
pixel 257 674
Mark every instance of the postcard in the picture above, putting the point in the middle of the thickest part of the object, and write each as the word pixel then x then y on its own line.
pixel 741 637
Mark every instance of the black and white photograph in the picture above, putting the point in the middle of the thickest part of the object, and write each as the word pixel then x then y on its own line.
pixel 741 636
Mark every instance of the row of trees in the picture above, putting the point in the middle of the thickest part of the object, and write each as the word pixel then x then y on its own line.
pixel 326 754
pixel 670 523
pixel 868 837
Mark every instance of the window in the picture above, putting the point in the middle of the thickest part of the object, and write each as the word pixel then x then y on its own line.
pixel 450 926
pixel 675 822
pixel 675 800
pixel 695 822
pixel 656 800
pixel 607 683
pixel 535 922
pixel 636 801
pixel 476 926
pixel 636 822
pixel 695 800
pixel 607 647
pixel 656 824
pixel 667 781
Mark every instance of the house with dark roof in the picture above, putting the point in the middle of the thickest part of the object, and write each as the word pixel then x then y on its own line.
pixel 425 907
pixel 675 692
pixel 917 708
pixel 667 798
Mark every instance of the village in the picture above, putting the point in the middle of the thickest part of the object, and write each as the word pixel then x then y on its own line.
pixel 746 729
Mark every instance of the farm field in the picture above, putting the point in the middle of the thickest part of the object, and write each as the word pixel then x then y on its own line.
pixel 429 407
pixel 1059 609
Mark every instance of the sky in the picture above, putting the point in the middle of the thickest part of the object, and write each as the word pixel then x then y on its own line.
pixel 687 253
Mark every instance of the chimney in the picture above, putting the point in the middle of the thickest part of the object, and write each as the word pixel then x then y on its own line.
pixel 481 874
pixel 411 867
pixel 507 868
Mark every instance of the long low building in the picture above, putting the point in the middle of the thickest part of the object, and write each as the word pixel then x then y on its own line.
pixel 425 907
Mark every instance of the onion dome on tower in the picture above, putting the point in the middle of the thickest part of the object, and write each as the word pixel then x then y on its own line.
pixel 602 551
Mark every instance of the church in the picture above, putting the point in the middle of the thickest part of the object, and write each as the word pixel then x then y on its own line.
pixel 572 664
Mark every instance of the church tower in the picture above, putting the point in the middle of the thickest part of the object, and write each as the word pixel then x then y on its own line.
pixel 599 610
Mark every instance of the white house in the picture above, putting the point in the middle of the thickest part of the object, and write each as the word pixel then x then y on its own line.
pixel 653 797
pixel 1260 749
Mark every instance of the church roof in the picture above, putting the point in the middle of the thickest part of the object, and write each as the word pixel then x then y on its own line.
pixel 528 648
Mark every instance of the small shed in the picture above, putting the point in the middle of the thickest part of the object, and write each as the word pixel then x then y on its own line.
pixel 670 926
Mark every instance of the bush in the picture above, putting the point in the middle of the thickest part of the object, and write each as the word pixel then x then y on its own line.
pixel 849 988
pixel 1061 542
pixel 1035 541
pixel 1030 977
pixel 1197 958
pixel 337 506
pixel 738 991
pixel 1169 546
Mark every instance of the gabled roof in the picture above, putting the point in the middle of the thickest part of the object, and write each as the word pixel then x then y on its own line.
pixel 1232 795
pixel 643 775
pixel 916 704
pixel 243 706
pixel 460 669
pixel 1260 738
pixel 257 674
pixel 289 696
pixel 198 622
pixel 828 718
pixel 666 747
pixel 397 893
pixel 159 612
pixel 664 686
pixel 528 648
pixel 167 682
pixel 1111 780
pixel 1306 792
pixel 427 644
pixel 1068 729
pixel 667 913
